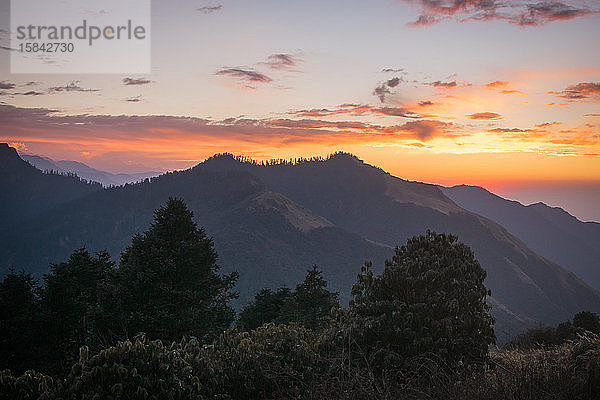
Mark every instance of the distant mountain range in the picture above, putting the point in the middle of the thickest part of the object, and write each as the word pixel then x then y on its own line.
pixel 272 222
pixel 85 171
pixel 549 231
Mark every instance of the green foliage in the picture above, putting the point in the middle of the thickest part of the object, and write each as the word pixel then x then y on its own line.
pixel 272 361
pixel 548 337
pixel 134 370
pixel 71 299
pixel 267 306
pixel 29 386
pixel 20 322
pixel 309 304
pixel 430 299
pixel 167 282
pixel 588 321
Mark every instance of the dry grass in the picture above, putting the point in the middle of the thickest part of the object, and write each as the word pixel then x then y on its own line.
pixel 569 372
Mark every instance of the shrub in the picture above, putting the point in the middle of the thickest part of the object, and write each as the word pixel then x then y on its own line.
pixel 272 360
pixel 134 370
pixel 29 386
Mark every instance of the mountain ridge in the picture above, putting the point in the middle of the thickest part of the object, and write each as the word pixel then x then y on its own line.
pixel 272 221
pixel 84 171
pixel 549 231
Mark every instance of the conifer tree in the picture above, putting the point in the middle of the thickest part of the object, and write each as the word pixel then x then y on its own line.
pixel 168 281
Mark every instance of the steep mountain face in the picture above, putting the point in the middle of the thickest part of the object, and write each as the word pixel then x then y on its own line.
pixel 26 192
pixel 366 200
pixel 85 171
pixel 273 222
pixel 549 231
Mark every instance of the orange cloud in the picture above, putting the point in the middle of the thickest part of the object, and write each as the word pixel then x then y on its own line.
pixel 497 84
pixel 491 116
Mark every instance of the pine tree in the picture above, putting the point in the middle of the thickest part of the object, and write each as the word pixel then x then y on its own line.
pixel 311 303
pixel 20 323
pixel 168 281
pixel 70 299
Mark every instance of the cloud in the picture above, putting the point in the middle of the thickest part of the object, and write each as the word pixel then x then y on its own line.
pixel 396 112
pixel 282 61
pixel 425 103
pixel 443 85
pixel 426 129
pixel 518 12
pixel 209 9
pixel 136 81
pixel 31 93
pixel 7 85
pixel 245 75
pixel 395 70
pixel 72 87
pixel 496 84
pixel 134 99
pixel 176 138
pixel 491 116
pixel 580 91
pixel 547 124
pixel 509 130
pixel 546 11
pixel 383 89
pixel 355 109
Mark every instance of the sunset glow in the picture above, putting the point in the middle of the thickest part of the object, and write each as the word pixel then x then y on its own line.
pixel 430 91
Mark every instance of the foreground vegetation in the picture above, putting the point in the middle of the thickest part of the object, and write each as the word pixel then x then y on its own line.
pixel 287 361
pixel 421 329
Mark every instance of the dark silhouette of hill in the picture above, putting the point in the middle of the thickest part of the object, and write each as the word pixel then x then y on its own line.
pixel 549 231
pixel 265 236
pixel 271 222
pixel 27 192
pixel 370 202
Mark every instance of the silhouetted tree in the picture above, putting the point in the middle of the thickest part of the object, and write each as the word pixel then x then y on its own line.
pixel 587 320
pixel 311 303
pixel 71 301
pixel 20 322
pixel 168 281
pixel 267 306
pixel 430 299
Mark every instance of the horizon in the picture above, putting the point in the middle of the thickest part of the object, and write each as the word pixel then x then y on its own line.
pixel 505 96
pixel 585 210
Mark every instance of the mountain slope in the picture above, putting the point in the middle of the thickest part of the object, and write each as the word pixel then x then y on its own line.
pixel 266 237
pixel 389 210
pixel 272 222
pixel 549 231
pixel 85 171
pixel 27 192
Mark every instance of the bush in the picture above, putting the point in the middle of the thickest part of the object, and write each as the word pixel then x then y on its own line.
pixel 548 337
pixel 273 360
pixel 134 370
pixel 29 386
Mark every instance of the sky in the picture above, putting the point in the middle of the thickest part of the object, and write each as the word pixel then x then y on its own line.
pixel 501 94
